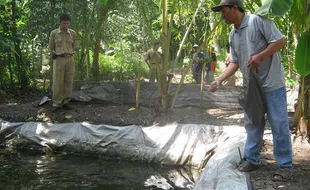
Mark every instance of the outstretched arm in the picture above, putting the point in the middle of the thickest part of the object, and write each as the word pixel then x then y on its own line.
pixel 229 71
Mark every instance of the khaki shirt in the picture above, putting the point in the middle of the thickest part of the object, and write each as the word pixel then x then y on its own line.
pixel 63 42
pixel 153 57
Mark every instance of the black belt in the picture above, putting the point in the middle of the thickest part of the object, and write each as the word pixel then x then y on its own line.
pixel 64 55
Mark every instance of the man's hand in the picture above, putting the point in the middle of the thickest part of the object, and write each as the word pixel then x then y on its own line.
pixel 214 85
pixel 254 61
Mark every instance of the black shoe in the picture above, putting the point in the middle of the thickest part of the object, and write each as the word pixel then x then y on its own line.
pixel 67 107
pixel 247 166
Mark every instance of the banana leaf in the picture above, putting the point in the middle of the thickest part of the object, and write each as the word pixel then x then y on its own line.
pixel 302 58
pixel 274 7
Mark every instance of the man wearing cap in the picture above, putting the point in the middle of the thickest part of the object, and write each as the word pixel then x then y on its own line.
pixel 63 44
pixel 255 42
pixel 198 61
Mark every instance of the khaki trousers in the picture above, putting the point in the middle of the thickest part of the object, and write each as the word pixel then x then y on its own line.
pixel 63 74
pixel 153 73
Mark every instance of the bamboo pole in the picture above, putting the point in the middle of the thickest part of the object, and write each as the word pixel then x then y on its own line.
pixel 202 83
pixel 138 85
pixel 184 71
pixel 164 80
pixel 187 32
pixel 163 72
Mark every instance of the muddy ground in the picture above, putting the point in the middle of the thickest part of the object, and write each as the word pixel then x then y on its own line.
pixel 28 110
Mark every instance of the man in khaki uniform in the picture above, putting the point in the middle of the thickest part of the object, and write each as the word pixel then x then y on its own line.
pixel 153 59
pixel 63 44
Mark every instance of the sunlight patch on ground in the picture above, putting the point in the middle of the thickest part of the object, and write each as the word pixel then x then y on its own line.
pixel 222 113
pixel 215 111
pixel 236 116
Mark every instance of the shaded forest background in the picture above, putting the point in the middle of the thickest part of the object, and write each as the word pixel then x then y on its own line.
pixel 114 34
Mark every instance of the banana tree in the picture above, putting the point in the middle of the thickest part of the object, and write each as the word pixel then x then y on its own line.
pixel 164 80
pixel 274 7
pixel 302 64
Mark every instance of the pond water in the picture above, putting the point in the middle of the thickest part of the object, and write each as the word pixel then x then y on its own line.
pixel 30 170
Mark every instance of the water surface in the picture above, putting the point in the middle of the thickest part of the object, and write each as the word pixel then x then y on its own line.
pixel 30 170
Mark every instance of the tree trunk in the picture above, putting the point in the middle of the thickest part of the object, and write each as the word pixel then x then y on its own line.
pixel 304 94
pixel 2 68
pixel 96 72
pixel 33 58
pixel 290 66
pixel 102 12
pixel 302 109
pixel 138 85
pixel 87 63
pixel 81 62
pixel 164 79
pixel 304 128
pixel 23 80
pixel 298 108
pixel 162 76
pixel 52 12
pixel 40 58
pixel 86 43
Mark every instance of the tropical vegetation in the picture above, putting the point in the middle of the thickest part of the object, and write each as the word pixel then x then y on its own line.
pixel 114 35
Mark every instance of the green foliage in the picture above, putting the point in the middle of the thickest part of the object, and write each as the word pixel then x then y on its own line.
pixel 129 27
pixel 302 59
pixel 222 54
pixel 119 68
pixel 104 2
pixel 297 15
pixel 216 2
pixel 4 46
pixel 291 82
pixel 189 78
pixel 274 7
pixel 122 66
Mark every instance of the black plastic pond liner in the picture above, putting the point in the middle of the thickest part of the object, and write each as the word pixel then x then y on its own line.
pixel 125 93
pixel 211 148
